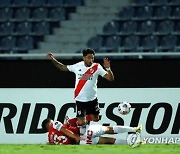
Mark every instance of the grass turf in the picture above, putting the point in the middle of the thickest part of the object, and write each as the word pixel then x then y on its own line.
pixel 88 149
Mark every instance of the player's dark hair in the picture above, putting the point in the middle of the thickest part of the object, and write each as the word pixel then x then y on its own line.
pixel 44 124
pixel 88 51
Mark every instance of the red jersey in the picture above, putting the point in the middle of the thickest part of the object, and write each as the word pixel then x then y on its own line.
pixel 56 137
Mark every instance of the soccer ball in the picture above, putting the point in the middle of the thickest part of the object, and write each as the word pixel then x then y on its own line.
pixel 124 108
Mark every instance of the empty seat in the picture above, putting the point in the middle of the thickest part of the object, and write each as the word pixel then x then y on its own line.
pixel 6 14
pixel 165 27
pixel 72 3
pixel 95 42
pixel 126 13
pixel 146 27
pixel 54 3
pixel 37 3
pixel 41 28
pixel 144 12
pixel 168 42
pixel 39 14
pixel 57 14
pixel 111 27
pixel 176 12
pixel 159 2
pixel 20 3
pixel 177 28
pixel 150 42
pixel 22 14
pixel 112 42
pixel 23 28
pixel 8 43
pixel 162 12
pixel 7 28
pixel 5 3
pixel 131 43
pixel 25 43
pixel 128 27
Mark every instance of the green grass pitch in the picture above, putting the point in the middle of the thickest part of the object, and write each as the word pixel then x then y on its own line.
pixel 88 149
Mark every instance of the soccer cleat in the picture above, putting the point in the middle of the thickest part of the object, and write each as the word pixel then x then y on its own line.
pixel 138 129
pixel 138 143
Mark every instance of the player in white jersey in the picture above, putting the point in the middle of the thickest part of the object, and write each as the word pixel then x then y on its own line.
pixel 85 92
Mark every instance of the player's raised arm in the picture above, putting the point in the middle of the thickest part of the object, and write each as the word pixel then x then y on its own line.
pixel 109 76
pixel 58 64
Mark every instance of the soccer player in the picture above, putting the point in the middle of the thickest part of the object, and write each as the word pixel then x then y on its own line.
pixel 59 133
pixel 85 92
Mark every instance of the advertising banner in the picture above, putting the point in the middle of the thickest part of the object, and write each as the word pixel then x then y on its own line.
pixel 22 111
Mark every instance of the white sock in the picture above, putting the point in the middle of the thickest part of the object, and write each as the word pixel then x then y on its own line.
pixel 123 129
pixel 120 141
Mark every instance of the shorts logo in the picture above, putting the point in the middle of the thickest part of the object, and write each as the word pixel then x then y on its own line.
pixel 79 112
pixel 132 138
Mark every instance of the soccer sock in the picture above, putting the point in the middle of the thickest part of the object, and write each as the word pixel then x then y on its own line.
pixel 123 129
pixel 120 141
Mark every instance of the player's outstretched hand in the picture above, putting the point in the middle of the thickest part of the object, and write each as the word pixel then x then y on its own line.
pixel 106 62
pixel 50 55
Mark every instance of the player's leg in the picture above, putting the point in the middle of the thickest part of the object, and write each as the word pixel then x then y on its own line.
pixel 122 129
pixel 93 110
pixel 81 113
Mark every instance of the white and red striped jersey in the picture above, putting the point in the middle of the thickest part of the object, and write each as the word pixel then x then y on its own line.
pixel 86 80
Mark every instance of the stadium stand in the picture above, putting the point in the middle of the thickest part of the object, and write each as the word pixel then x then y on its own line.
pixel 68 26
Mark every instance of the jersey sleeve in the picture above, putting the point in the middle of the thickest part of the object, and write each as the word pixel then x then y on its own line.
pixel 102 72
pixel 70 68
pixel 57 125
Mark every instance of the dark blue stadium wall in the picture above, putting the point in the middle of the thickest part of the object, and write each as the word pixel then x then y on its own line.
pixel 128 73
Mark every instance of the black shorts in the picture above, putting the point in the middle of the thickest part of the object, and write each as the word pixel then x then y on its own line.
pixel 86 108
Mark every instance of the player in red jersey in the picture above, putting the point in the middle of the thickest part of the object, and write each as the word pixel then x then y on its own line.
pixel 59 133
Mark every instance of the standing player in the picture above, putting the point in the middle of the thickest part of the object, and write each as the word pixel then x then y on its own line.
pixel 59 133
pixel 85 92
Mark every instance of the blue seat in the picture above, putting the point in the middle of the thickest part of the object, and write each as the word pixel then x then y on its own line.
pixel 112 42
pixel 5 3
pixel 22 14
pixel 177 28
pixel 54 3
pixel 25 43
pixel 41 28
pixel 37 3
pixel 39 14
pixel 131 43
pixel 23 28
pixel 168 42
pixel 72 3
pixel 126 13
pixel 7 28
pixel 146 27
pixel 176 12
pixel 6 14
pixel 110 28
pixel 20 3
pixel 143 13
pixel 165 27
pixel 95 42
pixel 162 12
pixel 150 42
pixel 8 43
pixel 128 27
pixel 57 14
